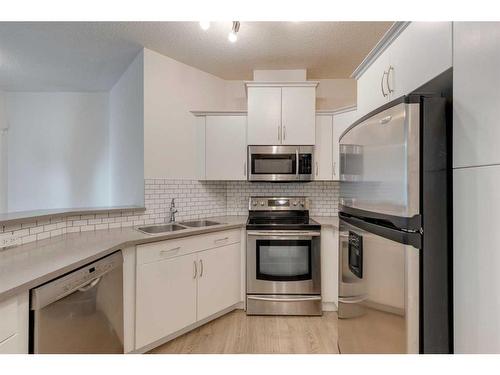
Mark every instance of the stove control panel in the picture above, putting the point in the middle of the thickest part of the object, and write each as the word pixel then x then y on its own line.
pixel 278 204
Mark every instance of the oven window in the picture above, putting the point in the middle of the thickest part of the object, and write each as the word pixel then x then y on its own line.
pixel 283 260
pixel 273 164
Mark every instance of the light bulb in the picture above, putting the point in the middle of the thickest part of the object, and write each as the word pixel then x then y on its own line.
pixel 205 25
pixel 232 37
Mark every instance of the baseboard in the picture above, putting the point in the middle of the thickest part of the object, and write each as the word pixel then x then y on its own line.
pixel 144 349
pixel 330 306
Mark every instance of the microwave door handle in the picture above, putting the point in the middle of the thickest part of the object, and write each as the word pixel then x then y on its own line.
pixel 297 163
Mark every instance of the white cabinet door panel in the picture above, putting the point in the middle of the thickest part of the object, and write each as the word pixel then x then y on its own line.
pixel 476 97
pixel 476 259
pixel 165 298
pixel 323 148
pixel 298 115
pixel 420 53
pixel 264 115
pixel 372 85
pixel 226 147
pixel 219 279
pixel 14 323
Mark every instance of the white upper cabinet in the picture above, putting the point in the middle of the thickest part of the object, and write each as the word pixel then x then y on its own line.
pixel 298 110
pixel 421 52
pixel 476 98
pixel 372 85
pixel 225 147
pixel 323 152
pixel 281 113
pixel 264 115
pixel 329 128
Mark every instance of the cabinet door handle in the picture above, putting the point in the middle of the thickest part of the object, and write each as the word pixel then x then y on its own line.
pixel 221 239
pixel 334 165
pixel 279 133
pixel 195 270
pixel 382 84
pixel 201 267
pixel 173 251
pixel 387 79
pixel 317 169
pixel 245 169
pixel 284 133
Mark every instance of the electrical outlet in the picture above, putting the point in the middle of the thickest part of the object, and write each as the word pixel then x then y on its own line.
pixel 9 239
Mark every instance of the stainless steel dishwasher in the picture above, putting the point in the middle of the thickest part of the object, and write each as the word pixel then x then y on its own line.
pixel 81 312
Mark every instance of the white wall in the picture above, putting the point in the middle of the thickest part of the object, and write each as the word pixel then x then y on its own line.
pixel 3 155
pixel 171 90
pixel 57 154
pixel 336 93
pixel 126 137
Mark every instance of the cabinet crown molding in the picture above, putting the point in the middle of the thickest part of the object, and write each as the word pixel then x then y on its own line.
pixel 386 40
pixel 281 84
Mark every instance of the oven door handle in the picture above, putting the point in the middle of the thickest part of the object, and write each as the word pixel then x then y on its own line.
pixel 297 299
pixel 285 233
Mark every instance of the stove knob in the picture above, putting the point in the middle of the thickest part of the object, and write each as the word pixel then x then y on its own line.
pixel 295 203
pixel 254 203
pixel 302 204
pixel 262 203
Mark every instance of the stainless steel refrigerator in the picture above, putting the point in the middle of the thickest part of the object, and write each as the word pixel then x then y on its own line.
pixel 395 229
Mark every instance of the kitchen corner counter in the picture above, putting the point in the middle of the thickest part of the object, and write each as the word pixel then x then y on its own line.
pixel 27 266
pixel 327 221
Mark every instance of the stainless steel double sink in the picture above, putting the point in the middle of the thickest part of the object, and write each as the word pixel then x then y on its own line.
pixel 173 227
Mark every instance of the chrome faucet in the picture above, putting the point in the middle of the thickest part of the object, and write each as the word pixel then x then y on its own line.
pixel 173 211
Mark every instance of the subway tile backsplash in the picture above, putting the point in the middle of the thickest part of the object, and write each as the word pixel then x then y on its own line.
pixel 324 195
pixel 193 199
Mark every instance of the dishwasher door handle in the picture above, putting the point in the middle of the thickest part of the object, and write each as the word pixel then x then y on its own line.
pixel 90 285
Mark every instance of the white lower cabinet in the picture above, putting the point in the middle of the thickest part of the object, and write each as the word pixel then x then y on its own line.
pixel 14 322
pixel 476 280
pixel 182 281
pixel 218 280
pixel 166 298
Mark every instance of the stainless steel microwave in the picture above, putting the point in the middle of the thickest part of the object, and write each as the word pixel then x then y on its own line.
pixel 280 163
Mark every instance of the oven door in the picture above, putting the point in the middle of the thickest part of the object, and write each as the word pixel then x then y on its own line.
pixel 283 262
pixel 273 163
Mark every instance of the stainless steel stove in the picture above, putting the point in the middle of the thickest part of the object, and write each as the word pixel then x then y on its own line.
pixel 283 257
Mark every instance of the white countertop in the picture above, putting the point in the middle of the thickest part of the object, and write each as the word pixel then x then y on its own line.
pixel 27 266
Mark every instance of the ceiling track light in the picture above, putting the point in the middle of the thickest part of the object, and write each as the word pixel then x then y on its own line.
pixel 233 35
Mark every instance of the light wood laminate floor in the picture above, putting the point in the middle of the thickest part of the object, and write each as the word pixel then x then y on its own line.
pixel 237 333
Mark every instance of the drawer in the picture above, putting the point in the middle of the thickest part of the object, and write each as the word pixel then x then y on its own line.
pixel 9 318
pixel 181 246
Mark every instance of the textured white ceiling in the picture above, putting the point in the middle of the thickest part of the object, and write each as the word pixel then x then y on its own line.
pixel 92 55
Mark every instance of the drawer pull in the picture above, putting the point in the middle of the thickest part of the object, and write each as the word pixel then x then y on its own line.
pixel 173 251
pixel 221 239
